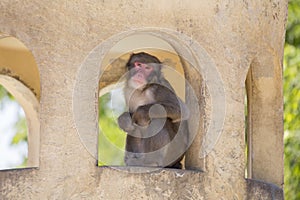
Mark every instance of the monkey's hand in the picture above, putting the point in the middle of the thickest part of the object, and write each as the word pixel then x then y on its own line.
pixel 141 116
pixel 125 122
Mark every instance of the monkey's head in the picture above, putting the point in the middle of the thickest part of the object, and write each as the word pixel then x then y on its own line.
pixel 143 68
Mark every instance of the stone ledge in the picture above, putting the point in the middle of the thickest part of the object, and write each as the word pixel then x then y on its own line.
pixel 262 190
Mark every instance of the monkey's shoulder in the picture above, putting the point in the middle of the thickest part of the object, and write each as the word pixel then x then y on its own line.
pixel 161 91
pixel 163 87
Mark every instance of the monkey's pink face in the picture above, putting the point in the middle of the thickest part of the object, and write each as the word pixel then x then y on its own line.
pixel 142 72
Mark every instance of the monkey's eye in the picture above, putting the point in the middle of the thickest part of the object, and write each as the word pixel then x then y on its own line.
pixel 147 67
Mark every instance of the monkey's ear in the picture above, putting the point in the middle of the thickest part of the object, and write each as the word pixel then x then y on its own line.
pixel 127 65
pixel 158 66
pixel 129 61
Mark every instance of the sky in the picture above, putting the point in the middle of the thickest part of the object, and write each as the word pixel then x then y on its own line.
pixel 11 156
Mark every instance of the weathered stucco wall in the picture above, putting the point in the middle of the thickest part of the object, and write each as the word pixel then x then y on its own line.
pixel 61 34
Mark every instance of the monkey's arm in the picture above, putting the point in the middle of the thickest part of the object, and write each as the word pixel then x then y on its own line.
pixel 125 122
pixel 178 112
pixel 173 106
pixel 175 111
pixel 166 105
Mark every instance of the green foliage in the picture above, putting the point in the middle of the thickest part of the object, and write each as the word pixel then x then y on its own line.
pixel 21 134
pixel 293 25
pixel 111 137
pixel 4 94
pixel 20 126
pixel 292 165
pixel 291 89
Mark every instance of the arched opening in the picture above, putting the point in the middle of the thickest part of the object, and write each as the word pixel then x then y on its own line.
pixel 111 99
pixel 13 132
pixel 264 134
pixel 204 93
pixel 19 78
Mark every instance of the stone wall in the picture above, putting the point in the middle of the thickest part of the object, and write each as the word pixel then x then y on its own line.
pixel 222 43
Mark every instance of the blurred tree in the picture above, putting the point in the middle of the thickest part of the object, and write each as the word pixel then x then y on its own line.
pixel 291 89
pixel 111 137
pixel 4 94
pixel 293 28
pixel 20 126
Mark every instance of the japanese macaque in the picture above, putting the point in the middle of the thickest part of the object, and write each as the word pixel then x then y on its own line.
pixel 156 126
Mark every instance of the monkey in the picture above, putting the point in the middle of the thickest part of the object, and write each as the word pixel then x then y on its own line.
pixel 156 123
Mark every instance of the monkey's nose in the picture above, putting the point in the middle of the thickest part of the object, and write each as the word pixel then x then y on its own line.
pixel 140 75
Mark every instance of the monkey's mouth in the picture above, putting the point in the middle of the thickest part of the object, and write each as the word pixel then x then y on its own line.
pixel 139 82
